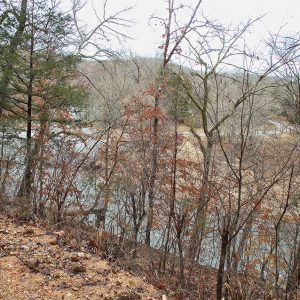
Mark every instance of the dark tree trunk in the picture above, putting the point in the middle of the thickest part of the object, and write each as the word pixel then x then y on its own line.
pixel 153 176
pixel 27 181
pixel 294 276
pixel 221 269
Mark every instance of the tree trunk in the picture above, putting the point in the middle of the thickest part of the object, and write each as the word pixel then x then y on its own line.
pixel 153 173
pixel 181 259
pixel 202 204
pixel 173 185
pixel 27 181
pixel 220 276
pixel 294 276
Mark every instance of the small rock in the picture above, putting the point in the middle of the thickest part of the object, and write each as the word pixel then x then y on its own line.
pixel 81 254
pixel 52 241
pixel 61 286
pixel 32 263
pixel 28 231
pixel 74 258
pixel 140 289
pixel 164 297
pixel 78 268
pixel 128 296
pixel 3 254
pixel 60 233
pixel 25 248
pixel 89 283
pixel 46 272
pixel 69 295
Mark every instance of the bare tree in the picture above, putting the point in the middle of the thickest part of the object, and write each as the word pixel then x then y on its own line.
pixel 287 77
pixel 174 35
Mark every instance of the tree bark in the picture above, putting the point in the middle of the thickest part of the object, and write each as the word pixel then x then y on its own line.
pixel 221 269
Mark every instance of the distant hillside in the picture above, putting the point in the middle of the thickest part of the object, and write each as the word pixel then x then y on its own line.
pixel 112 82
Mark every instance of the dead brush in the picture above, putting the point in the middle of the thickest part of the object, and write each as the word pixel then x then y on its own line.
pixel 238 291
pixel 111 246
pixel 76 234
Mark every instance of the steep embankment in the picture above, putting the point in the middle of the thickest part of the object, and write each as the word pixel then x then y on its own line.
pixel 35 265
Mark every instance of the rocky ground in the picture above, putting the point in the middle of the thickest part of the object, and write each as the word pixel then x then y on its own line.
pixel 35 264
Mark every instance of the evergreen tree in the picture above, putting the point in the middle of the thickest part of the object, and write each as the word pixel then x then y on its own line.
pixel 42 80
pixel 12 27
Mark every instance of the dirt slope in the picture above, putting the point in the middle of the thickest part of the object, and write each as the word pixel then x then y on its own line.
pixel 33 265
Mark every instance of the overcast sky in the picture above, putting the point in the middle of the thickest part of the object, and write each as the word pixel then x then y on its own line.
pixel 145 39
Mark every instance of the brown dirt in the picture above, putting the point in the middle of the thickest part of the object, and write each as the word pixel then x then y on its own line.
pixel 37 265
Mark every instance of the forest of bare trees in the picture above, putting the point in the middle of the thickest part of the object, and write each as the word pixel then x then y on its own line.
pixel 183 168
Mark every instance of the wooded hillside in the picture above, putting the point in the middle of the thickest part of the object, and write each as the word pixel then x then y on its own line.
pixel 183 168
